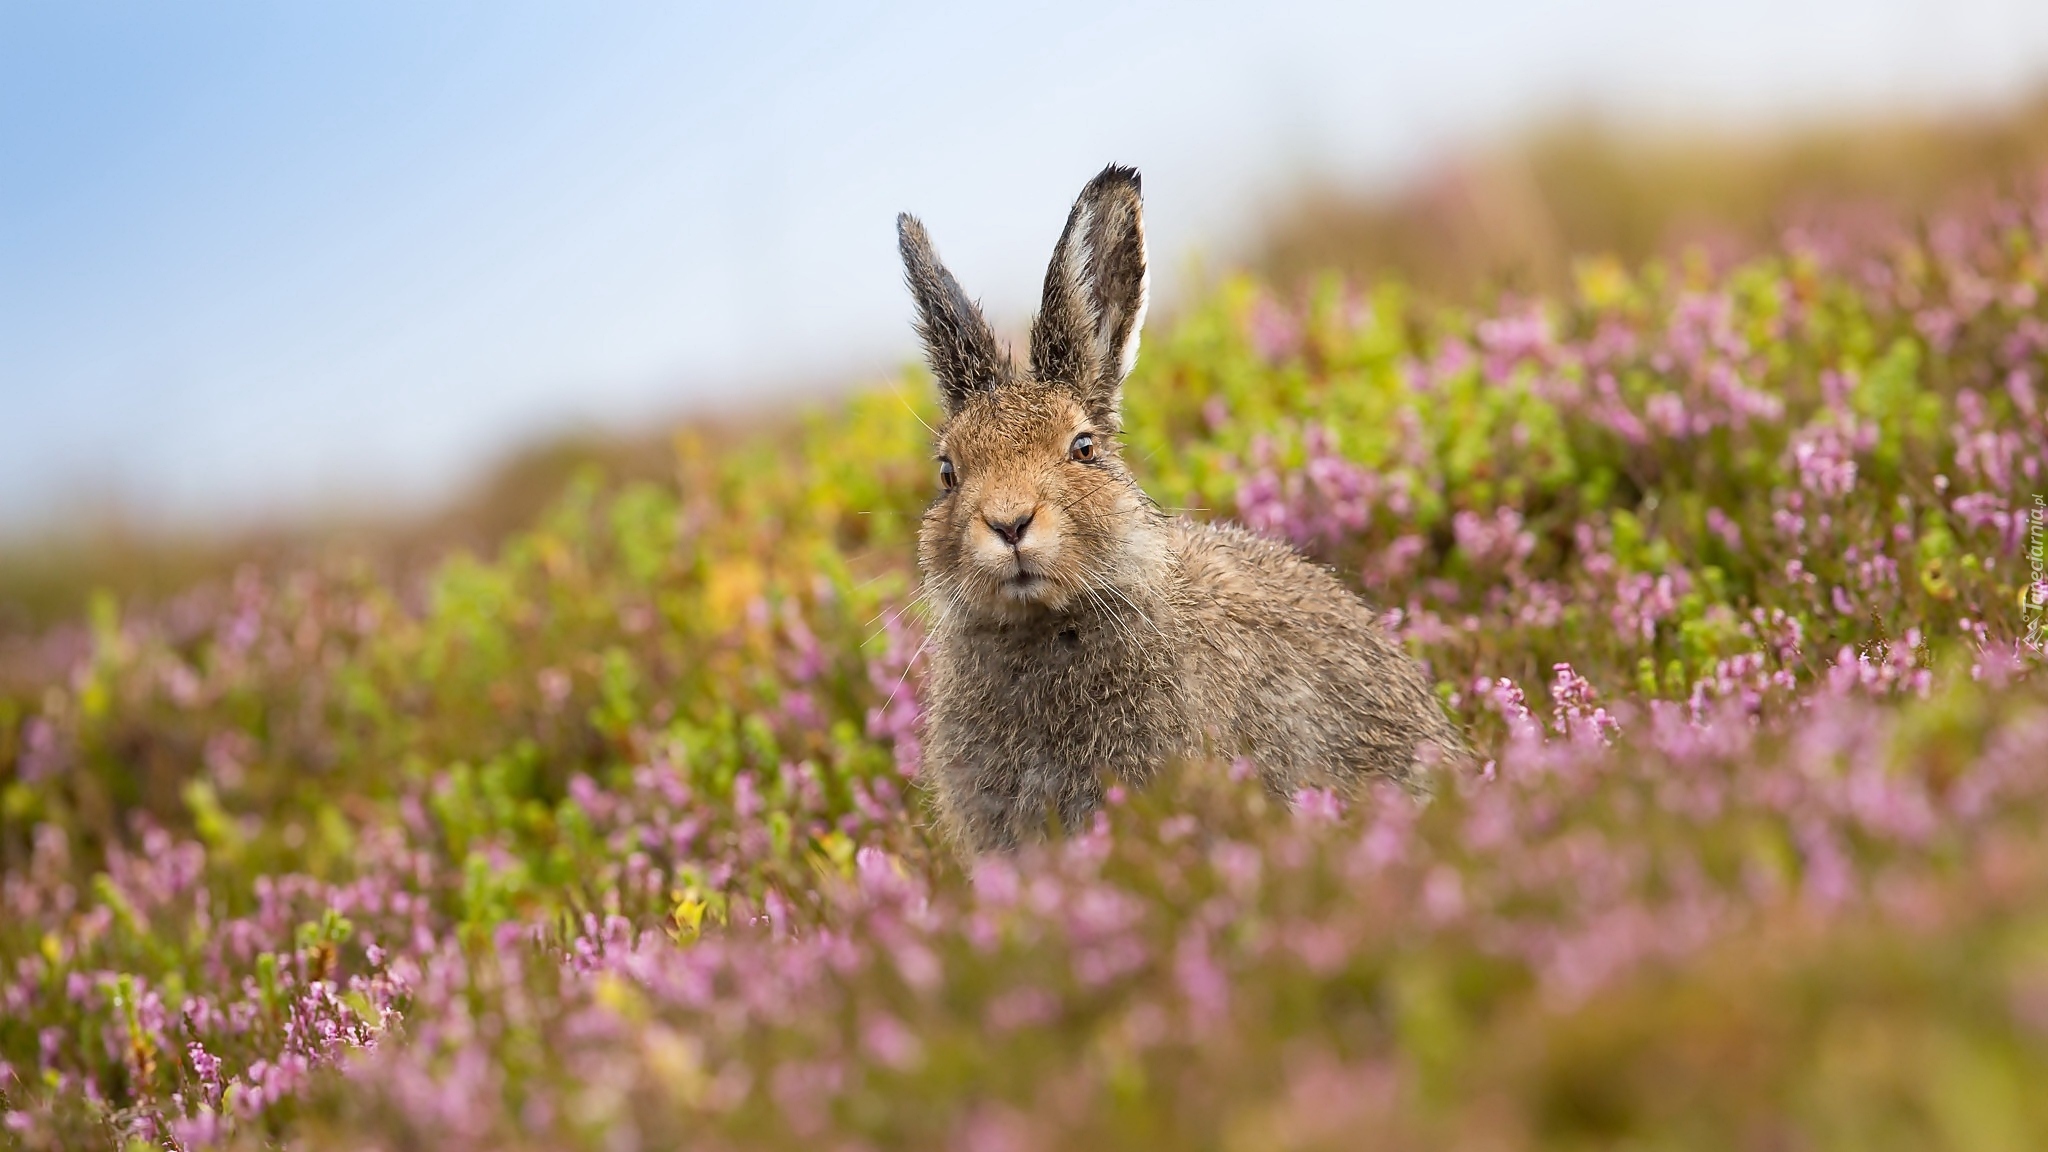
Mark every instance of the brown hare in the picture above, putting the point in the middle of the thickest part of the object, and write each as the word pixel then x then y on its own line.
pixel 1082 637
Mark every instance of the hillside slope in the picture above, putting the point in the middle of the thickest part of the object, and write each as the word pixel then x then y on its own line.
pixel 612 838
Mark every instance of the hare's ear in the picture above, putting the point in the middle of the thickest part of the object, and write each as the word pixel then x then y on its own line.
pixel 958 343
pixel 1086 334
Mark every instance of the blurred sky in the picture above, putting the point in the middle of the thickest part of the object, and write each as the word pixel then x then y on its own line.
pixel 262 258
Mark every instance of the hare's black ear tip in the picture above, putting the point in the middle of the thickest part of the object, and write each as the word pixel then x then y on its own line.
pixel 1117 176
pixel 910 236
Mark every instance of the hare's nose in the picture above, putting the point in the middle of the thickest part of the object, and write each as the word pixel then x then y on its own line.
pixel 1012 529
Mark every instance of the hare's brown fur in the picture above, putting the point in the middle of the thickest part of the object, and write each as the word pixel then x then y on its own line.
pixel 1083 637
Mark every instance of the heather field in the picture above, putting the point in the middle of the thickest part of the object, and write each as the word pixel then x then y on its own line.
pixel 613 838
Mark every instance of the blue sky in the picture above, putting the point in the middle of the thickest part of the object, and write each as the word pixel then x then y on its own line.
pixel 264 259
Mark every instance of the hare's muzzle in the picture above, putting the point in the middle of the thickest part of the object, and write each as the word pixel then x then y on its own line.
pixel 1015 542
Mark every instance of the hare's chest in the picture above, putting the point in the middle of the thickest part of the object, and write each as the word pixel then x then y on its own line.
pixel 1079 662
pixel 1070 656
pixel 1073 694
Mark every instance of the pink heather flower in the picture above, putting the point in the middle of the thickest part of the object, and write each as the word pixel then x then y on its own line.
pixel 1215 414
pixel 1505 698
pixel 746 797
pixel 554 687
pixel 2019 384
pixel 1610 409
pixel 917 965
pixel 1667 413
pixel 203 1129
pixel 1892 672
pixel 886 1039
pixel 1317 806
pixel 1095 913
pixel 1720 525
pixel 880 876
pixel 1984 510
pixel 776 905
pixel 1238 865
pixel 1274 332
pixel 1388 840
pixel 1453 359
pixel 182 684
pixel 1202 984
pixel 1939 326
pixel 1578 713
pixel 1985 455
pixel 1513 339
pixel 2029 1002
pixel 1262 504
pixel 1642 601
pixel 207 1068
pixel 1543 605
pixel 1836 387
pixel 1613 341
pixel 993 1128
pixel 1396 562
pixel 892 676
pixel 1322 948
pixel 1829 877
pixel 806 659
pixel 1326 501
pixel 1098 966
pixel 803 1090
pixel 41 755
pixel 1025 1007
pixel 996 883
pixel 1500 541
pixel 1701 324
pixel 1824 462
pixel 1443 894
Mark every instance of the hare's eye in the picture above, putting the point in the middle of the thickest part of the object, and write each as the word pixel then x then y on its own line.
pixel 1083 449
pixel 946 479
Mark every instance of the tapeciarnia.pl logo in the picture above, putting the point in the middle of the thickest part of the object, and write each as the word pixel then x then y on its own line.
pixel 2037 586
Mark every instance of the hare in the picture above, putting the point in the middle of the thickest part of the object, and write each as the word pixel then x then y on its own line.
pixel 1083 637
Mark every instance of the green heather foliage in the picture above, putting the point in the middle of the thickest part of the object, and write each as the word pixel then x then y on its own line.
pixel 613 839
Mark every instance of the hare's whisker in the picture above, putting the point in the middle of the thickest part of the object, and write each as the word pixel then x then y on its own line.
pixel 907 666
pixel 898 393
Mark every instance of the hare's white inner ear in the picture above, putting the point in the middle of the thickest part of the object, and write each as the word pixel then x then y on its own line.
pixel 1121 359
pixel 1127 356
pixel 1075 255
